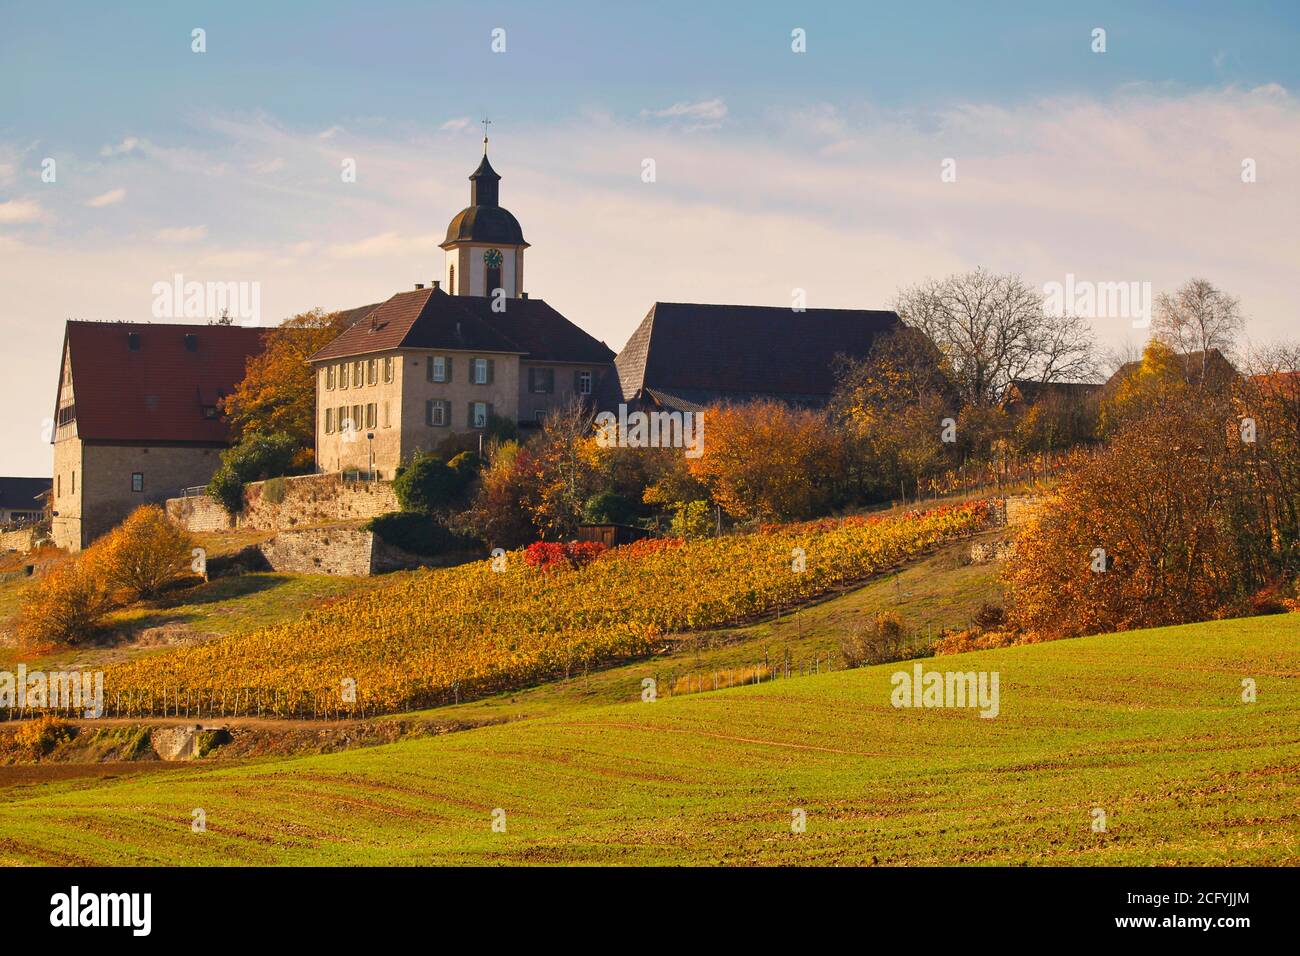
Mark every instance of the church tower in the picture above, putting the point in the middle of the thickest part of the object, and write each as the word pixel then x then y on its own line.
pixel 484 244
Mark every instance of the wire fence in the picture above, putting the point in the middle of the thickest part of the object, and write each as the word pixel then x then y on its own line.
pixel 208 702
pixel 695 681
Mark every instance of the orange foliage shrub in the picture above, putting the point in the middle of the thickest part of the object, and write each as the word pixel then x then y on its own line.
pixel 146 553
pixel 975 639
pixel 137 559
pixel 768 461
pixel 66 605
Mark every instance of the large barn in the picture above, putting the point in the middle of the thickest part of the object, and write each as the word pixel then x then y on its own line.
pixel 685 356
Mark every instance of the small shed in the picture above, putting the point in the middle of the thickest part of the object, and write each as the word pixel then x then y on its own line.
pixel 611 535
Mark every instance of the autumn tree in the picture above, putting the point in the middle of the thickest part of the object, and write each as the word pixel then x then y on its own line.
pixel 893 405
pixel 497 515
pixel 68 604
pixel 1056 421
pixel 146 553
pixel 770 462
pixel 1167 523
pixel 992 329
pixel 278 392
pixel 1157 379
pixel 564 473
pixel 1268 419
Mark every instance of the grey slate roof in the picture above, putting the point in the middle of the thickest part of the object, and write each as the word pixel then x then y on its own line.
pixel 691 354
pixel 20 494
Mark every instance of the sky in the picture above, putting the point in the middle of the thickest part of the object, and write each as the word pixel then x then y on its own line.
pixel 905 142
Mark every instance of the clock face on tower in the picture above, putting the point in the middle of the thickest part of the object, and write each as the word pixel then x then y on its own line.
pixel 492 258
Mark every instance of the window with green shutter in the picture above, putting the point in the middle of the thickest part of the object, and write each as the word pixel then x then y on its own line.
pixel 541 381
pixel 437 368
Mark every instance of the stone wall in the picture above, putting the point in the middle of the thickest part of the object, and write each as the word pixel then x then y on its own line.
pixel 313 499
pixel 340 550
pixel 199 513
pixel 21 539
pixel 287 503
pixel 345 550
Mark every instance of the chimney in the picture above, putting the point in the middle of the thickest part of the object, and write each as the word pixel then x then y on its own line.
pixel 419 285
pixel 437 283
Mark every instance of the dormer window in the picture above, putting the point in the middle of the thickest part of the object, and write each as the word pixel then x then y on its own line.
pixel 210 412
pixel 133 341
pixel 191 342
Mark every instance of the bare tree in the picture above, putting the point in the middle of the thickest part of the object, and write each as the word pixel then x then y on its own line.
pixel 1197 318
pixel 993 329
pixel 1114 359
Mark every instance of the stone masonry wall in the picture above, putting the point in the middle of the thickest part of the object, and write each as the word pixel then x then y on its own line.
pixel 23 539
pixel 286 503
pixel 340 550
pixel 200 513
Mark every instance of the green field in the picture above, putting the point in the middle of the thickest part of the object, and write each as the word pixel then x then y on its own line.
pixel 1147 726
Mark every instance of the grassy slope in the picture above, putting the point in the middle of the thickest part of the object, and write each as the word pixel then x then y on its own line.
pixel 1147 725
pixel 231 605
pixel 937 591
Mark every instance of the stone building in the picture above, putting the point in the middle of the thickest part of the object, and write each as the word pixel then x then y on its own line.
pixel 432 362
pixel 137 418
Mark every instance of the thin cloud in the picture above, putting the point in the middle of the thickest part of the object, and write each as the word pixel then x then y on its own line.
pixel 268 166
pixel 128 145
pixel 703 113
pixel 110 198
pixel 454 125
pixel 18 211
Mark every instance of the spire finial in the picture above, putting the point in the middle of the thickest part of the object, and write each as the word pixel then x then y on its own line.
pixel 486 123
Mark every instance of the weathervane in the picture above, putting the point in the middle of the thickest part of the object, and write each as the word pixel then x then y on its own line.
pixel 486 123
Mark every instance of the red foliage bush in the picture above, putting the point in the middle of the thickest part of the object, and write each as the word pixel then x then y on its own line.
pixel 553 555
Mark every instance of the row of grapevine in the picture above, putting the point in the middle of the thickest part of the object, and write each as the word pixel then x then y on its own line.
pixel 430 637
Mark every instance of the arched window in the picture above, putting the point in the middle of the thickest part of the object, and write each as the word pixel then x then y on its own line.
pixel 451 281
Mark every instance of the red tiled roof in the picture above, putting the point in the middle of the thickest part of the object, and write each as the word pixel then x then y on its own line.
pixel 156 392
pixel 432 319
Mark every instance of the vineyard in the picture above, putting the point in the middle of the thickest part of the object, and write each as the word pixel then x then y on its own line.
pixel 437 636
